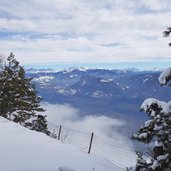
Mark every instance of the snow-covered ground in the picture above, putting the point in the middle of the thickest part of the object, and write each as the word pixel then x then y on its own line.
pixel 25 150
pixel 108 141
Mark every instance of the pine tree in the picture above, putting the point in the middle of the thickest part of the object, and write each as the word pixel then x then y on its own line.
pixel 157 130
pixel 1 62
pixel 18 98
pixel 40 124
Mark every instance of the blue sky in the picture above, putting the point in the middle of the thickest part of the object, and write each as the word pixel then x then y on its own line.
pixel 99 33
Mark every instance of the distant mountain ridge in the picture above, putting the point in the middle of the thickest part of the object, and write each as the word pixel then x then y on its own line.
pixel 116 93
pixel 85 69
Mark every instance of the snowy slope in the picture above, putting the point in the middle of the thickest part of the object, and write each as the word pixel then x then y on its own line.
pixel 108 141
pixel 25 150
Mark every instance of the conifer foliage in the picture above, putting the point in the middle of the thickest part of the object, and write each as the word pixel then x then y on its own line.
pixel 18 96
pixel 157 130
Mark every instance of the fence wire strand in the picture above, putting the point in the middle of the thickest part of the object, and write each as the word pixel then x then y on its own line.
pixel 107 148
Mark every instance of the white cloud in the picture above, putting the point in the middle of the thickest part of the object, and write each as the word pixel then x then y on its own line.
pixel 73 30
pixel 59 114
pixel 69 116
pixel 155 5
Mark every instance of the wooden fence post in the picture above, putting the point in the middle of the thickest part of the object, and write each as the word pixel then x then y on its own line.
pixel 59 134
pixel 91 141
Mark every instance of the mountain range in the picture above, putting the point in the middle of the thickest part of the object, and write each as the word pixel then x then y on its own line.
pixel 115 93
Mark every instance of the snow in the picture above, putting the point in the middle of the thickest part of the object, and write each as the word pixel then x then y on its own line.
pixel 164 76
pixel 147 123
pixel 124 71
pixel 148 102
pixel 162 157
pixel 158 128
pixel 151 69
pixel 106 80
pixel 98 94
pixel 145 80
pixel 143 135
pixel 71 69
pixel 72 76
pixel 167 108
pixel 26 150
pixel 158 144
pixel 43 79
pixel 118 154
pixel 84 82
pixel 155 164
pixel 108 140
pixel 35 71
pixel 67 92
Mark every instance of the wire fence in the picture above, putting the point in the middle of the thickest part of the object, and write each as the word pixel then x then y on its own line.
pixel 118 154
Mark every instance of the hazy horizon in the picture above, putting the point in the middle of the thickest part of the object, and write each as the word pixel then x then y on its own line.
pixel 101 65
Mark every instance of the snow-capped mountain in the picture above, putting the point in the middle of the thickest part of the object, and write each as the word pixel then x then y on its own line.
pixel 116 93
pixel 83 82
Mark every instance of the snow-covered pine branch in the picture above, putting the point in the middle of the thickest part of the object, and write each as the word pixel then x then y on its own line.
pixel 157 131
pixel 165 77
